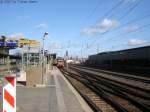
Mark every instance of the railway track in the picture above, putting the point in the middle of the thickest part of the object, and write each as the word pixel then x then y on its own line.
pixel 126 76
pixel 97 103
pixel 120 97
pixel 114 78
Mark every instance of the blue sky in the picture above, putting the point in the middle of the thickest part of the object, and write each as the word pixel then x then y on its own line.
pixel 82 27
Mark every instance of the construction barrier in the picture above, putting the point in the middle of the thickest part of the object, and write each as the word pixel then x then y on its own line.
pixel 9 94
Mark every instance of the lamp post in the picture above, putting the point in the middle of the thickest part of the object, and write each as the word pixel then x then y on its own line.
pixel 44 36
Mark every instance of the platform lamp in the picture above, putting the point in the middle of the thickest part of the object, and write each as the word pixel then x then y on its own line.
pixel 44 36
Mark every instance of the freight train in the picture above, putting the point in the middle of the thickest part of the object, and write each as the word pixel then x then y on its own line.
pixel 132 60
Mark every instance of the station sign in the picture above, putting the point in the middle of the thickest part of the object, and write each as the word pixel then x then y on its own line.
pixel 45 52
pixel 13 42
pixel 34 43
pixel 22 42
pixel 31 43
pixel 8 43
pixel 2 43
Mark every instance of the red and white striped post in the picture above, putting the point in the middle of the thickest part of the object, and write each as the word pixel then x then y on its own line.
pixel 9 94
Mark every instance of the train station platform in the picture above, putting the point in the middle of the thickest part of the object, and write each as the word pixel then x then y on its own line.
pixel 1 97
pixel 57 96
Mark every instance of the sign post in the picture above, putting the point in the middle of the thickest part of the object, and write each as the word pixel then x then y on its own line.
pixel 9 94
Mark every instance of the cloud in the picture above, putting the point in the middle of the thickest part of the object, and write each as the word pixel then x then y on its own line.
pixel 130 28
pixel 42 26
pixel 101 27
pixel 133 42
pixel 16 35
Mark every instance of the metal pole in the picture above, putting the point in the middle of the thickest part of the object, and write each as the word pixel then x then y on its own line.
pixel 43 58
pixel 8 64
pixel 29 64
pixel 22 59
pixel 27 57
pixel 67 62
pixel 43 61
pixel 67 59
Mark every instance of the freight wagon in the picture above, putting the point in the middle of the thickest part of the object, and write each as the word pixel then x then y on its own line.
pixel 136 59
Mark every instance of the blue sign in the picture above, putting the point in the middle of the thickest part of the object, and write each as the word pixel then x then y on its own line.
pixel 11 43
pixel 8 42
pixel 45 52
pixel 1 43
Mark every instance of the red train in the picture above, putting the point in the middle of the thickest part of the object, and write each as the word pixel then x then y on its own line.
pixel 60 62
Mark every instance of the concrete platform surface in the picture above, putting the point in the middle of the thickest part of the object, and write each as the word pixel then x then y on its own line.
pixel 0 97
pixel 57 96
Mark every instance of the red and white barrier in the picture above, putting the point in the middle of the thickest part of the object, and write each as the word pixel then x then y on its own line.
pixel 9 94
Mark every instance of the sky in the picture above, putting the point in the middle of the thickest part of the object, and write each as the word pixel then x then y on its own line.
pixel 81 27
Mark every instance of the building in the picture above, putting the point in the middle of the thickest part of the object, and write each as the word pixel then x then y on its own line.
pixel 31 56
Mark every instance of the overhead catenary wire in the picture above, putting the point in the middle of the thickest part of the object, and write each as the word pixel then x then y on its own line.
pixel 128 6
pixel 130 10
pixel 145 43
pixel 134 20
pixel 136 30
pixel 111 10
pixel 119 3
pixel 126 14
pixel 109 14
pixel 91 13
pixel 140 28
pixel 129 22
pixel 115 38
pixel 94 10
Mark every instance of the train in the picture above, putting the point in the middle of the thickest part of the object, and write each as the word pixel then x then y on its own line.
pixel 135 60
pixel 60 63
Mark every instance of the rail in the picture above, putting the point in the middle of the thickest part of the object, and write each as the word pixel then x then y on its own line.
pixel 106 88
